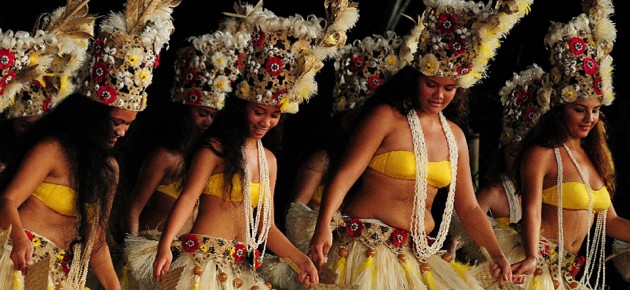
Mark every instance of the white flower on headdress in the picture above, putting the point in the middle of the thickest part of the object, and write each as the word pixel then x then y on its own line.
pixel 134 57
pixel 219 60
pixel 221 84
pixel 570 93
pixel 391 61
pixel 143 77
pixel 429 64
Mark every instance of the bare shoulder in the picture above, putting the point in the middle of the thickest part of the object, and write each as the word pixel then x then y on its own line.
pixel 271 158
pixel 165 155
pixel 459 135
pixel 537 154
pixel 490 192
pixel 48 148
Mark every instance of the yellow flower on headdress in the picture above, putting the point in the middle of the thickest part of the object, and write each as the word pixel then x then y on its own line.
pixel 243 89
pixel 391 61
pixel 301 46
pixel 429 64
pixel 570 93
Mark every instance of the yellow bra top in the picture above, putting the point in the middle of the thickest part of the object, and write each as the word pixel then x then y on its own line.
pixel 317 196
pixel 215 188
pixel 402 164
pixel 171 189
pixel 575 196
pixel 60 198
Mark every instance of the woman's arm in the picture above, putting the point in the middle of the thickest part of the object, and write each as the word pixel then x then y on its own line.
pixel 280 245
pixel 616 226
pixel 202 166
pixel 101 259
pixel 309 176
pixel 535 164
pixel 154 168
pixel 362 145
pixel 473 218
pixel 37 164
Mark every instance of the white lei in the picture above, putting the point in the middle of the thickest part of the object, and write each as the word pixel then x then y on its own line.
pixel 254 219
pixel 593 248
pixel 418 233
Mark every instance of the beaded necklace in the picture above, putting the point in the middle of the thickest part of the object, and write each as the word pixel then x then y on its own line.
pixel 595 249
pixel 418 233
pixel 261 217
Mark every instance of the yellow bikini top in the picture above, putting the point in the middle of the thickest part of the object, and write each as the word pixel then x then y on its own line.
pixel 60 198
pixel 171 189
pixel 215 188
pixel 402 164
pixel 575 196
pixel 317 196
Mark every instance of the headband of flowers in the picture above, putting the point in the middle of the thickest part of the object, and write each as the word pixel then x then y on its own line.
pixel 73 28
pixel 581 64
pixel 523 104
pixel 460 37
pixel 363 66
pixel 207 67
pixel 126 52
pixel 285 54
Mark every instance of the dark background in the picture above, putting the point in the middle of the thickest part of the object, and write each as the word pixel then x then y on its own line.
pixel 520 49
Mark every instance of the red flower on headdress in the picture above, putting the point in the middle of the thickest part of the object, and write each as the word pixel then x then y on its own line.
pixel 98 47
pixel 239 61
pixel 156 63
pixel 446 22
pixel 47 104
pixel 190 243
pixel 277 95
pixel 577 45
pixel 523 97
pixel 6 58
pixel 274 66
pixel 258 37
pixel 194 97
pixel 100 72
pixel 457 46
pixel 598 86
pixel 107 94
pixel 577 265
pixel 590 66
pixel 6 80
pixel 354 227
pixel 189 76
pixel 530 114
pixel 399 237
pixel 374 82
pixel 464 69
pixel 240 253
pixel 357 64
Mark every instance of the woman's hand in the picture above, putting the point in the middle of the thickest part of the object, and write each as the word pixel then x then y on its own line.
pixel 162 262
pixel 308 274
pixel 21 252
pixel 320 244
pixel 523 268
pixel 501 270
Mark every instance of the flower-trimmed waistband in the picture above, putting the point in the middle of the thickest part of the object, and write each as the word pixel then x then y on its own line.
pixel 549 250
pixel 215 247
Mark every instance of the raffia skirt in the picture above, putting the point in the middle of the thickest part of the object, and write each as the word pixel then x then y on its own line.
pixel 140 252
pixel 373 255
pixel 59 265
pixel 213 263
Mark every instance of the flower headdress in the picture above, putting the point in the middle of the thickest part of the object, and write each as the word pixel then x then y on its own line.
pixel 206 68
pixel 459 37
pixel 523 104
pixel 285 54
pixel 581 64
pixel 73 27
pixel 126 52
pixel 363 66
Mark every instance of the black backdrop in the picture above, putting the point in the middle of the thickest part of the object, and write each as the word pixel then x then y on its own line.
pixel 521 48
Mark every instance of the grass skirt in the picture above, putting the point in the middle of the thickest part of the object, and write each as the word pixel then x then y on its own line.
pixel 140 252
pixel 59 263
pixel 621 250
pixel 214 263
pixel 372 255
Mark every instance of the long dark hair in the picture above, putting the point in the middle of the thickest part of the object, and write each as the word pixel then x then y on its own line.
pixel 551 132
pixel 82 127
pixel 230 129
pixel 401 92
